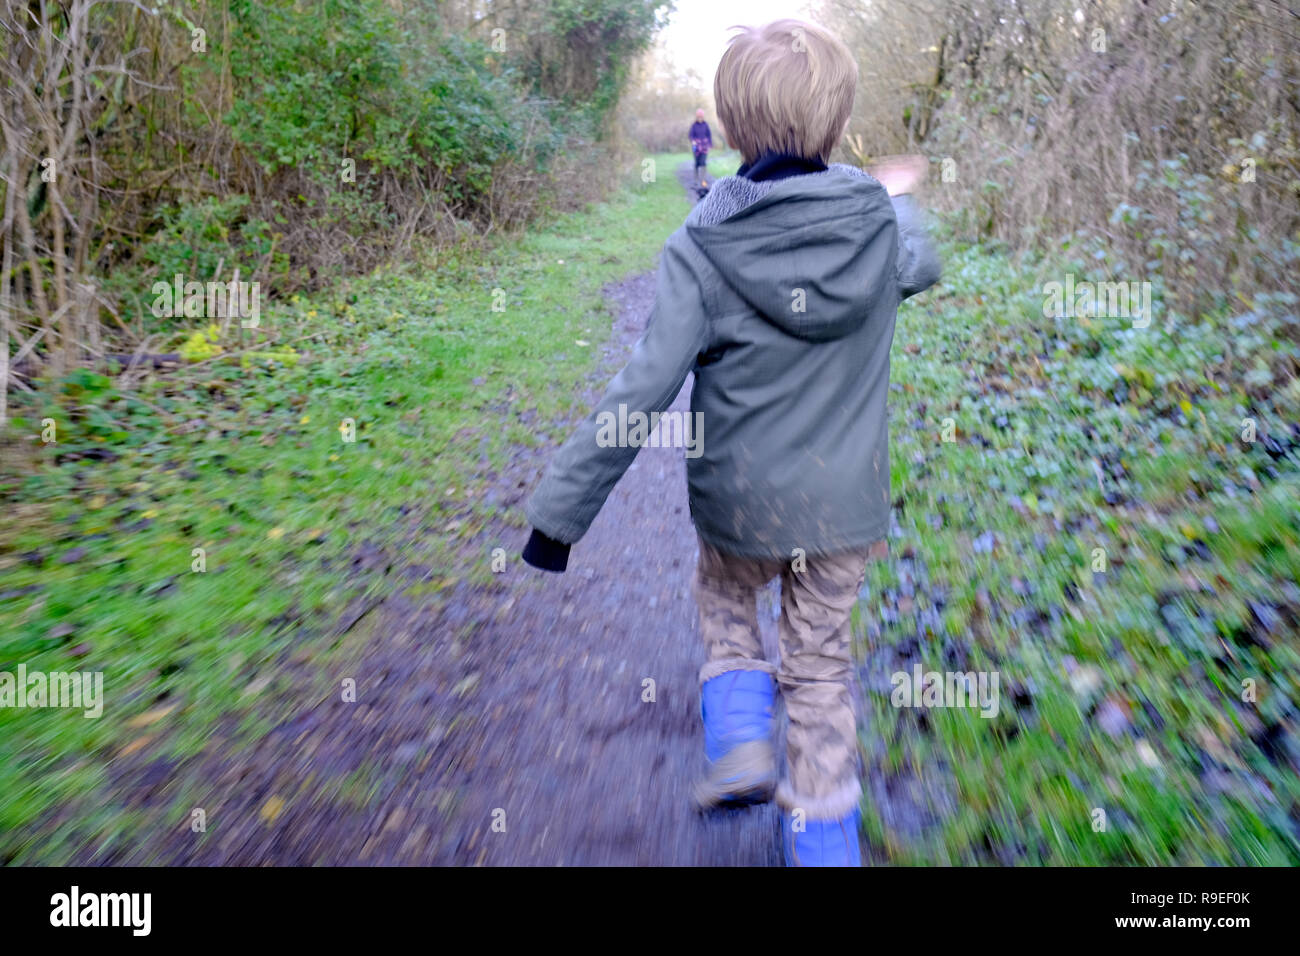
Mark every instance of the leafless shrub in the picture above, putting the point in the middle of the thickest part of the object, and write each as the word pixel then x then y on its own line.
pixel 1164 135
pixel 55 78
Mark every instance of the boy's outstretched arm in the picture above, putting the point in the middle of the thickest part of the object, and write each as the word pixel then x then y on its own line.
pixel 583 473
pixel 918 263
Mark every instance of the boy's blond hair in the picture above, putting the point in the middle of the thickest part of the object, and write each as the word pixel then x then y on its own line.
pixel 785 87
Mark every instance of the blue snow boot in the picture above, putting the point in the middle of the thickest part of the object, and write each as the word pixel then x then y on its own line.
pixel 821 842
pixel 737 711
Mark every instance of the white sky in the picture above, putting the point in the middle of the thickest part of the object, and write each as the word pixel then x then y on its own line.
pixel 697 32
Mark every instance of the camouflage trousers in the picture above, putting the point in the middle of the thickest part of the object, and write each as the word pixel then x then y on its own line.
pixel 817 597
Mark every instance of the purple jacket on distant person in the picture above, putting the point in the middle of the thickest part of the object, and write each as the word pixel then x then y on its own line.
pixel 701 138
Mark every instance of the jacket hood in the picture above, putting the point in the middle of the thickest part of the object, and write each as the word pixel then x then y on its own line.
pixel 805 252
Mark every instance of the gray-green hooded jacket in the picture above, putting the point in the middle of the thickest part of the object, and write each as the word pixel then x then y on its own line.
pixel 781 297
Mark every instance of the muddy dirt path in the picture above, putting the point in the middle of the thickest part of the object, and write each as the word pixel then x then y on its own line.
pixel 586 770
pixel 510 726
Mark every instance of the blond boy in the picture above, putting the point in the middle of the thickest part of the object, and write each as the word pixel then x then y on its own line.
pixel 780 294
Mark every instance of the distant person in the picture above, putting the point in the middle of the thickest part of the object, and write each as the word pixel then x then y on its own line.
pixel 701 143
pixel 779 293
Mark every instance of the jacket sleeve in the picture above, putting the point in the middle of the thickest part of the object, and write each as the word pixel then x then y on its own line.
pixel 583 473
pixel 918 263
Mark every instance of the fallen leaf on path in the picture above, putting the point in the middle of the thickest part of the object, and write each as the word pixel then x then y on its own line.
pixel 463 687
pixel 150 716
pixel 271 809
pixel 257 686
pixel 138 744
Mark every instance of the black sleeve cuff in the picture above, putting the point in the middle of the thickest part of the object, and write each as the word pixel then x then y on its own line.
pixel 546 553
